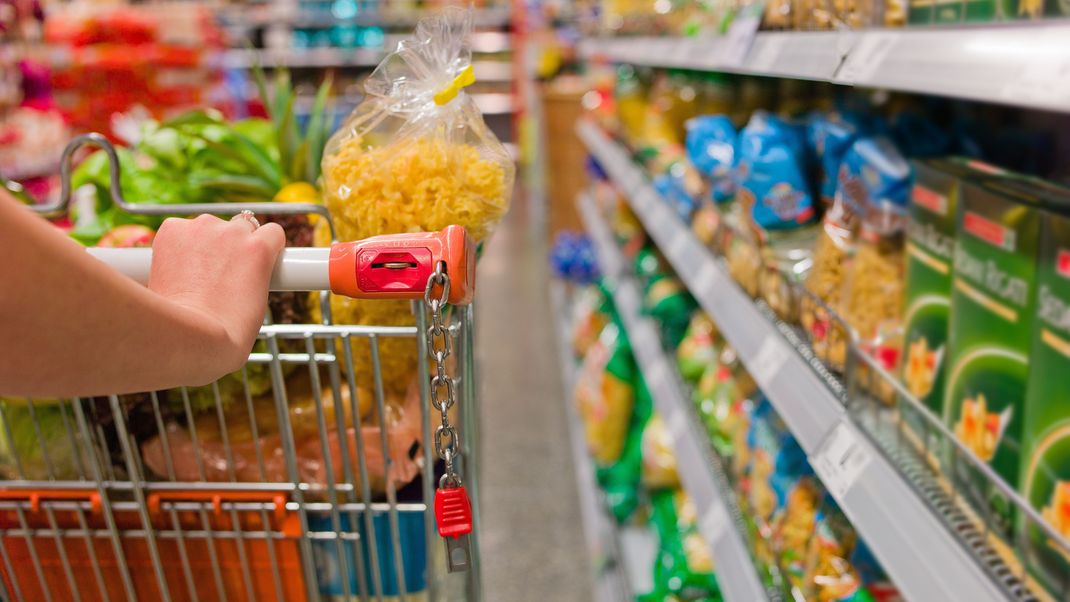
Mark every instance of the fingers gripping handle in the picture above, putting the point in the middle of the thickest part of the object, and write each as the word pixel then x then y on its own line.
pixel 394 266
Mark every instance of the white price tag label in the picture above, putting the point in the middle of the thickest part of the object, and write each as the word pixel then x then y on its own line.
pixel 677 423
pixel 708 279
pixel 769 359
pixel 866 57
pixel 840 460
pixel 713 523
pixel 740 37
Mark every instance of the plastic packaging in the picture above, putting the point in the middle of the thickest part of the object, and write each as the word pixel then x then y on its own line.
pixel 698 349
pixel 659 460
pixel 415 155
pixel 872 177
pixel 711 148
pixel 669 303
pixel 605 394
pixel 199 452
pixel 621 481
pixel 875 280
pixel 772 169
pixel 589 318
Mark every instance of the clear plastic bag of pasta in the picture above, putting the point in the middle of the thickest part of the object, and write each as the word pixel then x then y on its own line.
pixel 415 155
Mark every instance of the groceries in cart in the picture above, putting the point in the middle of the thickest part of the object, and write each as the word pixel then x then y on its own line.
pixel 319 442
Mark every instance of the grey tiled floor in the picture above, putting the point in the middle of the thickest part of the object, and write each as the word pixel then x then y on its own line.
pixel 531 536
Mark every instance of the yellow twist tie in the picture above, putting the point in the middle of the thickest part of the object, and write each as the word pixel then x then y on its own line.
pixel 463 80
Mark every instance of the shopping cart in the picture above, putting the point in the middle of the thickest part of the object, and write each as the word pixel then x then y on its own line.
pixel 265 485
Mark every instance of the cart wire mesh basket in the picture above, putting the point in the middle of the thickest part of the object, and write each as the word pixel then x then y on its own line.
pixel 302 477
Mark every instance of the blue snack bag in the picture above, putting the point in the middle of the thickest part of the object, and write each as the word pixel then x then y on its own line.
pixel 711 148
pixel 771 170
pixel 829 137
pixel 873 181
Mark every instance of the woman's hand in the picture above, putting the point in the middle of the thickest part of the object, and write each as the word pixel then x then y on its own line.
pixel 220 270
pixel 73 326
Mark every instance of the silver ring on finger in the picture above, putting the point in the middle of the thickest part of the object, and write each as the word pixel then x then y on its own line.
pixel 248 216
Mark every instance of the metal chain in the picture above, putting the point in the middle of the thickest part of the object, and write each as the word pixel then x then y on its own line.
pixel 439 347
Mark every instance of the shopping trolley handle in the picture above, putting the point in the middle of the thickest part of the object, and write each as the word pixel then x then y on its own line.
pixel 392 266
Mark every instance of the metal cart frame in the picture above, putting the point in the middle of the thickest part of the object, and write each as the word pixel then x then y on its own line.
pixel 105 527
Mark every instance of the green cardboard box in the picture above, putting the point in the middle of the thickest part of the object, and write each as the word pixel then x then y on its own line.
pixel 929 260
pixel 1045 470
pixel 993 303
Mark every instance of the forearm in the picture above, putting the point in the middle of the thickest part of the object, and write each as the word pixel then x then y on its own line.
pixel 72 326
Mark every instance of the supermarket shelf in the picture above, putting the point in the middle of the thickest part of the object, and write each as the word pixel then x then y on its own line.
pixel 268 14
pixel 718 515
pixel 1021 64
pixel 320 58
pixel 600 530
pixel 912 542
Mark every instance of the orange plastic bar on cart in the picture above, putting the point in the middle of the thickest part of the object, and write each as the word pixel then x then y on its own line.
pixel 35 497
pixel 155 500
pixel 397 266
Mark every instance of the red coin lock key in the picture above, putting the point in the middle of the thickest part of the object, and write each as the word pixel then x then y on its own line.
pixel 453 515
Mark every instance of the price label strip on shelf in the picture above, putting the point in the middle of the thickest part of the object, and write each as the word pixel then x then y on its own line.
pixel 840 460
pixel 1045 78
pixel 677 423
pixel 708 279
pixel 740 37
pixel 866 57
pixel 714 522
pixel 766 53
pixel 767 362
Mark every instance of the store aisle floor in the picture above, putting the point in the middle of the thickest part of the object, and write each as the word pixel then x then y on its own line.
pixel 532 537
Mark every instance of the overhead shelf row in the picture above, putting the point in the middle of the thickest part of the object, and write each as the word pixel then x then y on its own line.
pixel 699 474
pixel 917 545
pixel 1022 64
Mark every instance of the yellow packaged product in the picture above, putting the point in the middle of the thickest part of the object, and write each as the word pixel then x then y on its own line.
pixel 659 460
pixel 414 156
pixel 605 395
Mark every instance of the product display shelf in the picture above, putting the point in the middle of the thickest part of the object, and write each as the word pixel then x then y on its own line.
pixel 1021 64
pixel 261 15
pixel 921 548
pixel 602 534
pixel 324 58
pixel 720 520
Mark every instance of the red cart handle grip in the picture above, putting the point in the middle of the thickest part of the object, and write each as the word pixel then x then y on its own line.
pixel 397 266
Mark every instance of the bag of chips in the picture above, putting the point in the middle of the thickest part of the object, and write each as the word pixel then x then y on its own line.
pixel 605 394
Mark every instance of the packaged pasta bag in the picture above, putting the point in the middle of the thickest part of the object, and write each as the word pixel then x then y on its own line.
pixel 415 155
pixel 776 203
pixel 872 299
